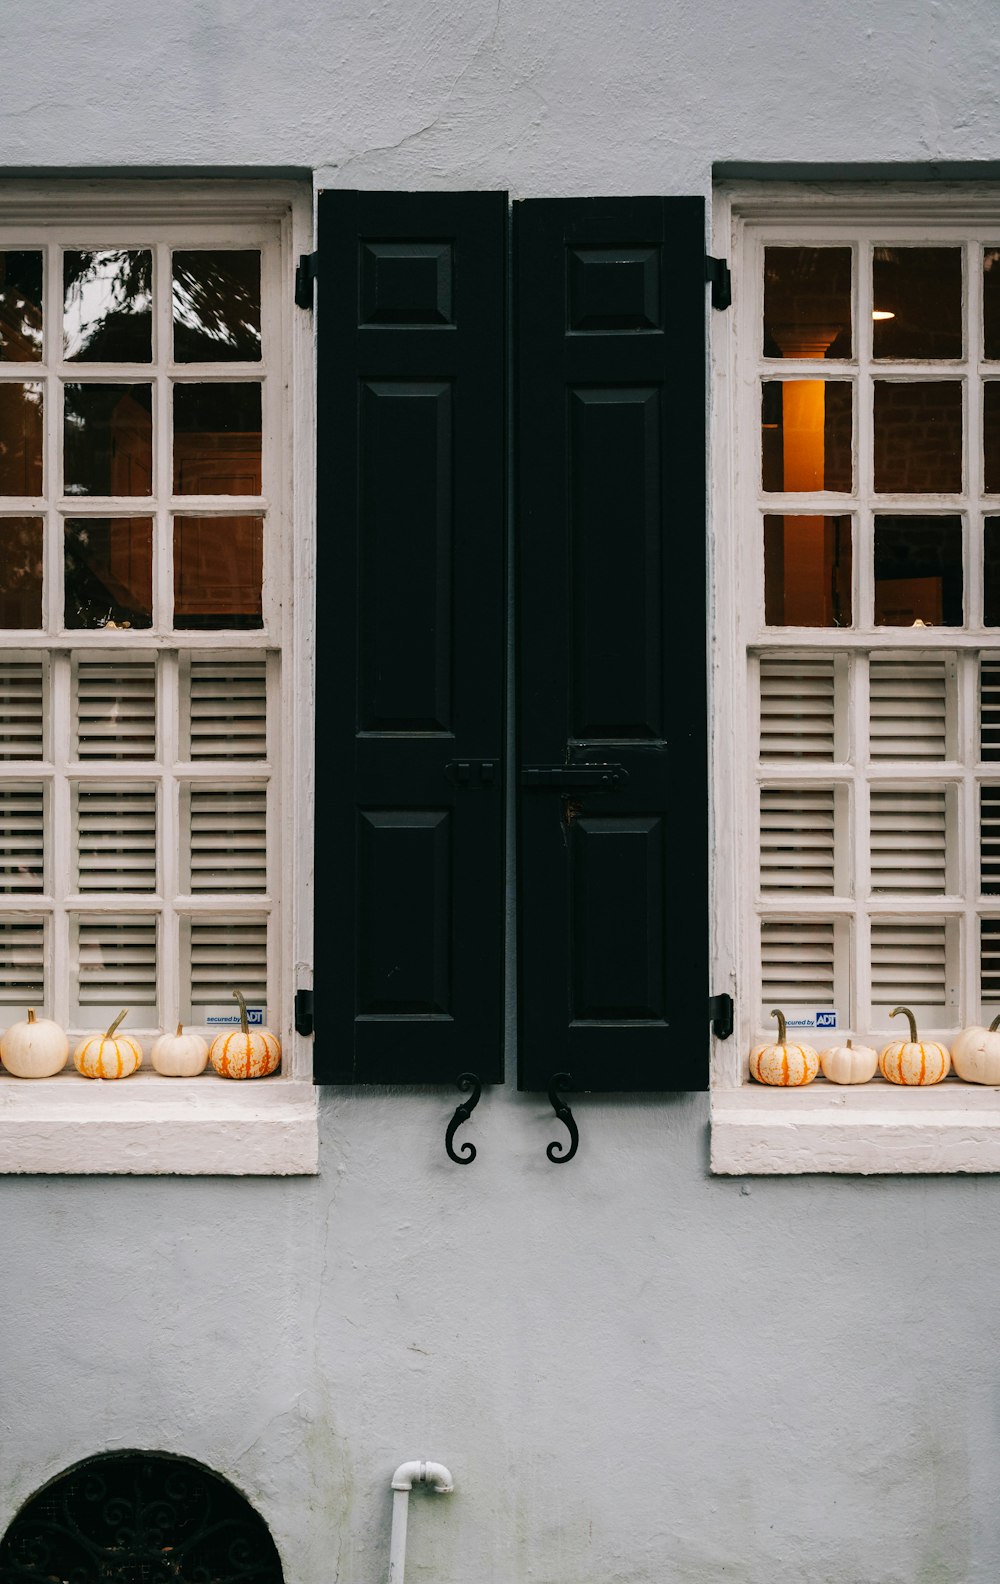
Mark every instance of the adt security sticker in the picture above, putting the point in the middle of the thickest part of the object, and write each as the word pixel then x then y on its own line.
pixel 811 1020
pixel 229 1017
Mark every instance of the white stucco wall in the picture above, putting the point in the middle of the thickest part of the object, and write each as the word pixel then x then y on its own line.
pixel 637 1374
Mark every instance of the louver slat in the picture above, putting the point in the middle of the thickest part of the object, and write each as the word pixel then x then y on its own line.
pixel 228 709
pixel 226 953
pixel 228 840
pixel 909 964
pixel 21 839
pixel 116 709
pixel 908 841
pixel 908 709
pixel 797 961
pixel 797 839
pixel 116 838
pixel 117 963
pixel 989 709
pixel 22 963
pixel 796 708
pixel 21 709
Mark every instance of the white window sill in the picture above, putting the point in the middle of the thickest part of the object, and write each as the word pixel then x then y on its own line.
pixel 870 1128
pixel 205 1126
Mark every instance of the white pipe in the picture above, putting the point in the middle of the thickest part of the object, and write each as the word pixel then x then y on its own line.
pixel 406 1476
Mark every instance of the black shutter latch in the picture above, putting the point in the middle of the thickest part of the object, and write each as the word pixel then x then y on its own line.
pixel 720 1010
pixel 304 1017
pixel 304 277
pixel 717 273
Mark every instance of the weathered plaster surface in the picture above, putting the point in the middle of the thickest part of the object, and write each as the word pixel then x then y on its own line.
pixel 636 1373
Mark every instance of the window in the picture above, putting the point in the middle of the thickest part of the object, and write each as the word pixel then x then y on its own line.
pixel 858 563
pixel 151 640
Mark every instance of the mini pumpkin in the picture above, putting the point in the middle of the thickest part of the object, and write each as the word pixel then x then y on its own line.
pixel 913 1061
pixel 247 1053
pixel 104 1056
pixel 179 1055
pixel 849 1064
pixel 975 1054
pixel 36 1048
pixel 784 1065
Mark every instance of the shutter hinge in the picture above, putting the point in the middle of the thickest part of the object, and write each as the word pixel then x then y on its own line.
pixel 720 1010
pixel 717 273
pixel 304 1021
pixel 304 277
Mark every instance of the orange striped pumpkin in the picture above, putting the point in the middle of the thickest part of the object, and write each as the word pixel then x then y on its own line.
pixel 913 1061
pixel 782 1065
pixel 246 1053
pixel 104 1056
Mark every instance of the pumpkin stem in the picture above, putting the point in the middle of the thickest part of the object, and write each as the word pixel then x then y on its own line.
pixel 31 1014
pixel 905 1011
pixel 849 1045
pixel 244 1025
pixel 180 1030
pixel 111 1031
pixel 782 1032
pixel 995 1024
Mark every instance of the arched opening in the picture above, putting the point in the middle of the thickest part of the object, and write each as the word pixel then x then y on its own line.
pixel 138 1518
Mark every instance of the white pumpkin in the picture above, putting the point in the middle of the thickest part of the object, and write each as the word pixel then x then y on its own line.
pixel 104 1056
pixel 975 1054
pixel 783 1065
pixel 180 1055
pixel 913 1061
pixel 849 1064
pixel 249 1053
pixel 36 1048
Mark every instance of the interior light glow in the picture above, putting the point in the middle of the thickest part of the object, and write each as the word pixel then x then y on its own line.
pixel 882 313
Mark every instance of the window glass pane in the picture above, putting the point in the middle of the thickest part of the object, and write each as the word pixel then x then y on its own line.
pixel 108 572
pixel 217 439
pixel 917 302
pixel 991 304
pixel 108 306
pixel 108 440
pixel 991 436
pixel 216 306
pixel 807 302
pixel 918 437
pixel 21 572
pixel 806 429
pixel 807 571
pixel 20 307
pixel 114 966
pixel 218 571
pixel 918 571
pixel 21 415
pixel 991 572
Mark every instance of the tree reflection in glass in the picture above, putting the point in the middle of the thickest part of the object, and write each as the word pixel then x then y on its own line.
pixel 108 306
pixel 216 306
pixel 108 572
pixel 20 307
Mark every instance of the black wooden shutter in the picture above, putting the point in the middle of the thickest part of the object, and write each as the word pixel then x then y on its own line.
pixel 612 875
pixel 410 636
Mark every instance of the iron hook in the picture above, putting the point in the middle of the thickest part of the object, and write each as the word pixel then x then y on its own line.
pixel 467 1154
pixel 558 1153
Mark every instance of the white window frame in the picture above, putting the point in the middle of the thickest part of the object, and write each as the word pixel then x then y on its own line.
pixel 207 1125
pixel 877 1127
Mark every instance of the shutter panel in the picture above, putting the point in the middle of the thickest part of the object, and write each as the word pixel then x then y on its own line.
pixel 22 839
pixel 798 963
pixel 226 708
pixel 908 709
pixel 115 709
pixel 410 636
pixel 989 709
pixel 228 839
pixel 908 840
pixel 797 717
pixel 116 958
pixel 22 964
pixel 613 887
pixel 116 837
pixel 21 709
pixel 910 968
pixel 797 839
pixel 221 953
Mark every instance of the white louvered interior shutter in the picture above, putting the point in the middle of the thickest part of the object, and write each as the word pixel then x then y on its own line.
pixel 226 954
pixel 22 702
pixel 909 840
pixel 797 708
pixel 115 708
pixel 226 708
pixel 116 967
pixel 116 837
pixel 798 963
pixel 909 708
pixel 22 838
pixel 797 839
pixel 227 839
pixel 910 967
pixel 22 965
